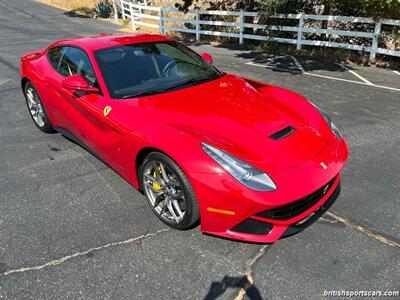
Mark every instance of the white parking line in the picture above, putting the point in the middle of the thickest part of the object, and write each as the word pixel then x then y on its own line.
pixel 356 74
pixel 296 62
pixel 300 67
pixel 339 79
pixel 352 81
pixel 396 72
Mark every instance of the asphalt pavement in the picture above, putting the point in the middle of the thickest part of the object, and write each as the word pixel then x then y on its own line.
pixel 71 228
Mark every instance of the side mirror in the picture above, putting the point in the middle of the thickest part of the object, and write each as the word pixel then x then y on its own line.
pixel 78 83
pixel 207 57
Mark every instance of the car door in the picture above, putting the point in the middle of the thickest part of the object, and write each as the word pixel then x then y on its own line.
pixel 78 113
pixel 58 106
pixel 67 104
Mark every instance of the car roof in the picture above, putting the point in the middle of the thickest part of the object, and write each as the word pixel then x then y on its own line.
pixel 104 40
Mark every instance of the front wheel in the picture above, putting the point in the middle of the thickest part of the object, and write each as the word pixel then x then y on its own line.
pixel 168 191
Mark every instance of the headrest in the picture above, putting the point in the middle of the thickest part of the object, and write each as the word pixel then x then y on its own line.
pixel 111 56
pixel 138 52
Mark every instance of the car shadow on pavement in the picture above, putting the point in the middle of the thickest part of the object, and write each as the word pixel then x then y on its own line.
pixel 217 289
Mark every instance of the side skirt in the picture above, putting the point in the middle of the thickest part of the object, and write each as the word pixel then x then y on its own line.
pixel 69 136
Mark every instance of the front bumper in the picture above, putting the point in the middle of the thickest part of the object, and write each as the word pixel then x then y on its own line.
pixel 296 228
pixel 229 210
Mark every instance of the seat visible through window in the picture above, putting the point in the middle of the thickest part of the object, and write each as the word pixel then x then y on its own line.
pixel 129 67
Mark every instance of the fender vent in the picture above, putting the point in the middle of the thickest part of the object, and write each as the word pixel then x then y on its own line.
pixel 282 133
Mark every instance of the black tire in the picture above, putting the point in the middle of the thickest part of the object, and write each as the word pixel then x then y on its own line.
pixel 192 211
pixel 46 127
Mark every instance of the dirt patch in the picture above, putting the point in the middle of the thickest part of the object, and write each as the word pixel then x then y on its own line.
pixel 74 8
pixel 70 4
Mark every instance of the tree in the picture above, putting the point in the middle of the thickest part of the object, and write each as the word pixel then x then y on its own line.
pixel 246 5
pixel 367 8
pixel 383 8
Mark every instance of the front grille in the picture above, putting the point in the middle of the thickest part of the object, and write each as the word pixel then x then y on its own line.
pixel 298 207
pixel 299 226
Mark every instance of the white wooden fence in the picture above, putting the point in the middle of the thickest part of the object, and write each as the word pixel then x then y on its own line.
pixel 156 17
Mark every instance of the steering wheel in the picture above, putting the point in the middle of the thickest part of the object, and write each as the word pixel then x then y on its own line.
pixel 168 67
pixel 172 64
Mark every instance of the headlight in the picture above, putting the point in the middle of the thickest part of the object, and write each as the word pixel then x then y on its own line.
pixel 246 174
pixel 328 120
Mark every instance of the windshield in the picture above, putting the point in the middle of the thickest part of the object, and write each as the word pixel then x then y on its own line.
pixel 149 68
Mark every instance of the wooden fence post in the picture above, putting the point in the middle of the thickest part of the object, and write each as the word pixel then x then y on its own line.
pixel 241 28
pixel 161 11
pixel 115 8
pixel 300 31
pixel 197 18
pixel 123 9
pixel 375 39
pixel 132 18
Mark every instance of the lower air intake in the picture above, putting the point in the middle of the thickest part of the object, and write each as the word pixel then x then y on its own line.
pixel 253 226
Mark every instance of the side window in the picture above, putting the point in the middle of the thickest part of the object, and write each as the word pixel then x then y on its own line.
pixel 54 56
pixel 74 61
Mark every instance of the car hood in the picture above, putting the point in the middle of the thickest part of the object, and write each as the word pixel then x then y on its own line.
pixel 229 113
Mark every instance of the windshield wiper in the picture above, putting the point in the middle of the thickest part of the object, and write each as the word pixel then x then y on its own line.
pixel 142 93
pixel 189 82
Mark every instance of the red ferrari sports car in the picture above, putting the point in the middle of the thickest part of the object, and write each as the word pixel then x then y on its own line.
pixel 250 161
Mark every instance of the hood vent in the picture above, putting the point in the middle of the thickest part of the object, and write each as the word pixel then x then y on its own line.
pixel 282 133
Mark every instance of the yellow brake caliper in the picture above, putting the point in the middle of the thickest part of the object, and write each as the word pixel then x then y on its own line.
pixel 156 186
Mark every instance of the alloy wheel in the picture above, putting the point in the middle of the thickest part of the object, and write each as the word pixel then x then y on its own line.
pixel 164 192
pixel 35 106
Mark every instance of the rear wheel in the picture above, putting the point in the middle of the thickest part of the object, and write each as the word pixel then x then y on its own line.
pixel 168 191
pixel 36 108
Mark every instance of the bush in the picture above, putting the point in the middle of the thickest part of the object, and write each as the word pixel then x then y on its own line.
pixel 103 9
pixel 376 9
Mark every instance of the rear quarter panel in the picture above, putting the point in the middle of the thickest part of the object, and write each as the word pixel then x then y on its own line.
pixel 35 67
